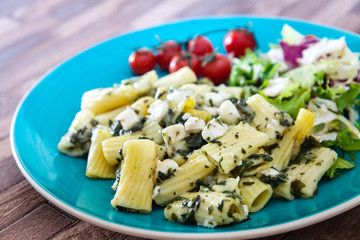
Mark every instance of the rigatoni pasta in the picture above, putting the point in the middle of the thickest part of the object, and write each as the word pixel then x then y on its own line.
pixel 201 150
pixel 135 189
pixel 97 166
pixel 255 193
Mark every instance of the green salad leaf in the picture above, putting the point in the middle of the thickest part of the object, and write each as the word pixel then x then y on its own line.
pixel 323 90
pixel 346 141
pixel 341 163
pixel 251 69
pixel 291 105
pixel 347 99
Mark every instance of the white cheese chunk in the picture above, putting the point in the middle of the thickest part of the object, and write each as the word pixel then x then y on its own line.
pixel 214 129
pixel 194 125
pixel 166 166
pixel 177 95
pixel 276 86
pixel 215 99
pixel 174 134
pixel 228 113
pixel 158 110
pixel 156 191
pixel 186 116
pixel 211 110
pixel 128 118
pixel 246 210
pixel 231 184
pixel 270 172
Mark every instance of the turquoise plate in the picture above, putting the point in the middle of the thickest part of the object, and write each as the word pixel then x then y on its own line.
pixel 47 110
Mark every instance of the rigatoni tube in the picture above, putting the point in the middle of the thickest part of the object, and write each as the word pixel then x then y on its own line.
pixel 256 193
pixel 135 189
pixel 209 209
pixel 97 166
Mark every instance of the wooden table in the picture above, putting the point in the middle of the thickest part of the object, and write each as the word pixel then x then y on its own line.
pixel 36 35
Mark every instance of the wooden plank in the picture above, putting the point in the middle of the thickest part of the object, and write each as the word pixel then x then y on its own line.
pixel 69 9
pixel 236 7
pixel 5 152
pixel 87 19
pixel 10 174
pixel 270 7
pixel 212 6
pixel 343 226
pixel 83 230
pixel 356 8
pixel 275 237
pixel 37 11
pixel 8 6
pixel 336 9
pixel 303 9
pixel 33 226
pixel 17 201
pixel 7 25
pixel 121 236
pixel 5 123
pixel 27 28
pixel 161 12
pixel 12 53
pixel 350 22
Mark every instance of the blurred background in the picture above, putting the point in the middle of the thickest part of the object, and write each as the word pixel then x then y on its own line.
pixel 36 35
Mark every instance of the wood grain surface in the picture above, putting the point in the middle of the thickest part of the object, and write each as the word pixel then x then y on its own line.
pixel 36 35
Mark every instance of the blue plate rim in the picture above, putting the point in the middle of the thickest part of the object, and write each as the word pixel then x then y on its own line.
pixel 118 227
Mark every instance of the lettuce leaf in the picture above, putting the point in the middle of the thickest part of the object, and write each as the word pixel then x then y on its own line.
pixel 341 163
pixel 290 35
pixel 323 90
pixel 346 141
pixel 251 69
pixel 348 98
pixel 291 105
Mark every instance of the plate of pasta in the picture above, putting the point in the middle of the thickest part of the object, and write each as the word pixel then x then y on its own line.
pixel 173 156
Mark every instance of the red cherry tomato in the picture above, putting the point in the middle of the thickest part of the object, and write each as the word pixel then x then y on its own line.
pixel 200 46
pixel 185 59
pixel 217 67
pixel 166 52
pixel 236 41
pixel 142 61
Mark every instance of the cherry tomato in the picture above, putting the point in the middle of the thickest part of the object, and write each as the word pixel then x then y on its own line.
pixel 236 41
pixel 200 46
pixel 166 52
pixel 217 67
pixel 142 61
pixel 185 59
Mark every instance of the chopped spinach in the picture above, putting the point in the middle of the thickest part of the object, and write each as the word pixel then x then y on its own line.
pixel 163 176
pixel 248 183
pixel 296 187
pixel 195 141
pixel 179 118
pixel 274 181
pixel 216 141
pixel 266 157
pixel 284 119
pixel 81 137
pixel 270 148
pixel 245 111
pixel 115 128
pixel 305 154
pixel 139 125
